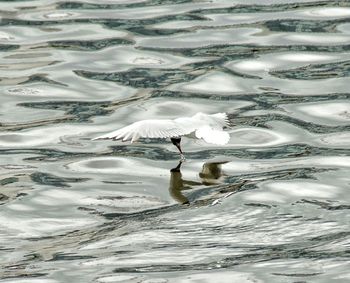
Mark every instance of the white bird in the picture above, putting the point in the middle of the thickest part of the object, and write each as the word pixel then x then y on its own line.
pixel 208 127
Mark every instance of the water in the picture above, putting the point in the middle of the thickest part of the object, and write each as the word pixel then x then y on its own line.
pixel 271 206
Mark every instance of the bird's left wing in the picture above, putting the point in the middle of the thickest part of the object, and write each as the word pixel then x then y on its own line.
pixel 147 129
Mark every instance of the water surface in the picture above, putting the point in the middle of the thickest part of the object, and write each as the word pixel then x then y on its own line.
pixel 270 206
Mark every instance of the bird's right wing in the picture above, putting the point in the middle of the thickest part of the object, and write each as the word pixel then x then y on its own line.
pixel 221 119
pixel 147 129
pixel 211 135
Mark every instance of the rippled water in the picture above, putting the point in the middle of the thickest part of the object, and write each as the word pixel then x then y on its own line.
pixel 271 206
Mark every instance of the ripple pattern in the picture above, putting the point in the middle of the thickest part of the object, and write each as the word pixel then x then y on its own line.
pixel 270 206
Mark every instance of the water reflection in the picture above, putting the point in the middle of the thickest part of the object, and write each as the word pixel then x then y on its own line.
pixel 211 174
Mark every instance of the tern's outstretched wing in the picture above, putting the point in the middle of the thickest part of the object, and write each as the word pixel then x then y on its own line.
pixel 148 129
pixel 206 127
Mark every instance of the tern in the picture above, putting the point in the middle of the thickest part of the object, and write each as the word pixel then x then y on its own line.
pixel 208 127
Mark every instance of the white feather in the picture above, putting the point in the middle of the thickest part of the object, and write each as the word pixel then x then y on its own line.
pixel 207 127
pixel 213 136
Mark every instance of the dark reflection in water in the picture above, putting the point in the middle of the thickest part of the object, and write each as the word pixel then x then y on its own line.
pixel 210 174
pixel 177 185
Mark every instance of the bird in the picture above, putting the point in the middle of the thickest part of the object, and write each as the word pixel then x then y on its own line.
pixel 208 127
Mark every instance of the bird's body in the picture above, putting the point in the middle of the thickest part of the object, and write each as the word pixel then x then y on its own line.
pixel 201 126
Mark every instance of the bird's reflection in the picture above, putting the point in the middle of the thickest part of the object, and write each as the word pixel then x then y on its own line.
pixel 211 174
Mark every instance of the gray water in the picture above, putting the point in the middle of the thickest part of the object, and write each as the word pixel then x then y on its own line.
pixel 271 206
